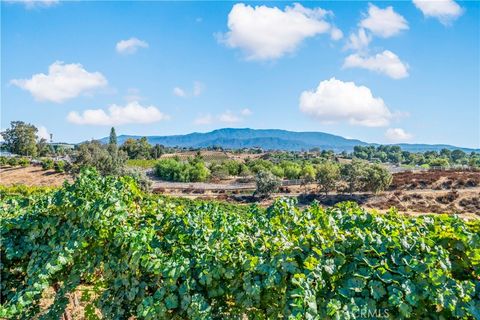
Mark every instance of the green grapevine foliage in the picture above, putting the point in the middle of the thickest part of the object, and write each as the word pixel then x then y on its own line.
pixel 160 258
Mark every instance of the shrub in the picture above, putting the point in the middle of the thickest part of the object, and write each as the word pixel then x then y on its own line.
pixel 24 162
pixel 198 172
pixel 13 161
pixel 176 170
pixel 3 161
pixel 47 164
pixel 139 176
pixel 171 170
pixel 218 172
pixel 59 166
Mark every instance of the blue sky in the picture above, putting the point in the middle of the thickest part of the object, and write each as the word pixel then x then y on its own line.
pixel 376 71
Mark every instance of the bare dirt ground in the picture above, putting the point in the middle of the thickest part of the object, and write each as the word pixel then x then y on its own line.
pixel 412 193
pixel 31 176
pixel 435 180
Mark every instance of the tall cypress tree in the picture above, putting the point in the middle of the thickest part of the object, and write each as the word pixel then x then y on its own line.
pixel 113 137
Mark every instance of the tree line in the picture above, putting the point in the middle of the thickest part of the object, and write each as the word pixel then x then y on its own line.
pixel 352 176
pixel 322 167
pixel 394 154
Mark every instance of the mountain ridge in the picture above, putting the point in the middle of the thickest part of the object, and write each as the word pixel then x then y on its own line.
pixel 274 139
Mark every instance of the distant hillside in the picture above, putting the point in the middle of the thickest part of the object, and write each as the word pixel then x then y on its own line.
pixel 270 139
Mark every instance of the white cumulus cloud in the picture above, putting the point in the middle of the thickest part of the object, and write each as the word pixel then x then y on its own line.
pixel 133 112
pixel 397 135
pixel 386 62
pixel 264 32
pixel 444 10
pixel 358 41
pixel 336 34
pixel 383 22
pixel 63 82
pixel 130 46
pixel 42 133
pixel 334 100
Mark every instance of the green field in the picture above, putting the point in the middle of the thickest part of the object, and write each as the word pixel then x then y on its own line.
pixel 142 163
pixel 160 258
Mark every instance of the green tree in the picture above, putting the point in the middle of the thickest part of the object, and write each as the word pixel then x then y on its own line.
pixel 474 160
pixel 266 183
pixel 43 148
pixel 243 170
pixel 113 137
pixel 130 147
pixel 308 173
pixel 278 171
pixel 438 162
pixel 157 151
pixel 21 138
pixel 233 167
pixel 458 155
pixel 137 148
pixel 328 174
pixel 291 169
pixel 101 157
pixel 198 172
pixel 445 153
pixel 171 169
pixel 376 178
pixel 353 173
pixel 218 171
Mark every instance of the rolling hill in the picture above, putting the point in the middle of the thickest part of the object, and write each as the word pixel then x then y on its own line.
pixel 271 139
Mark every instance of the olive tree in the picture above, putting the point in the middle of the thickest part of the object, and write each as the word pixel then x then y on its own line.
pixel 266 183
pixel 103 158
pixel 353 173
pixel 376 178
pixel 308 174
pixel 328 174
